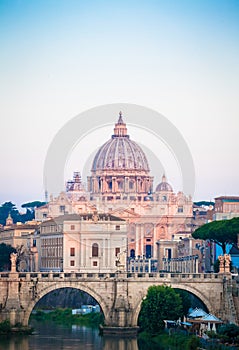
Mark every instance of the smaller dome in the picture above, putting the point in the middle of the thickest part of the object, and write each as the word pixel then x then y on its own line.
pixel 164 186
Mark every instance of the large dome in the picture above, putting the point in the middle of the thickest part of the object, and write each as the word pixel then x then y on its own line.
pixel 120 153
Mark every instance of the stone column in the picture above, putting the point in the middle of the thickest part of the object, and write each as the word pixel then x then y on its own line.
pixel 142 240
pixel 113 184
pixel 126 185
pixel 196 266
pixel 137 235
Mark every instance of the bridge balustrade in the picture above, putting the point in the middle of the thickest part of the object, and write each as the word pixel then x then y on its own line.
pixel 93 276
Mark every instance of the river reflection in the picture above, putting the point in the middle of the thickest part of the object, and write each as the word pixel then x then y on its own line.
pixel 50 336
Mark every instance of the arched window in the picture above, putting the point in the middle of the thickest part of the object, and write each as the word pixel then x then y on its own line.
pixel 95 250
pixel 120 185
pixel 132 253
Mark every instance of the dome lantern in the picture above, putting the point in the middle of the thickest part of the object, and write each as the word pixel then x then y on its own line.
pixel 120 129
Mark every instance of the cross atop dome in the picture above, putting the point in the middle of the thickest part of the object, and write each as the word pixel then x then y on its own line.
pixel 120 120
pixel 120 129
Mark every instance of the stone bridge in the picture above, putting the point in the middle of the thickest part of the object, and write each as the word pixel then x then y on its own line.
pixel 119 294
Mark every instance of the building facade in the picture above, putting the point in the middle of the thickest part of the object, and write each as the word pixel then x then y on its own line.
pixel 121 185
pixel 22 237
pixel 226 207
pixel 83 243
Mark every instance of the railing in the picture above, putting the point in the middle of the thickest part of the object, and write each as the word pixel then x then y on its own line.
pixel 131 276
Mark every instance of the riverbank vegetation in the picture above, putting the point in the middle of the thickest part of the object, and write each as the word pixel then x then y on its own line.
pixel 164 303
pixel 163 341
pixel 7 329
pixel 64 316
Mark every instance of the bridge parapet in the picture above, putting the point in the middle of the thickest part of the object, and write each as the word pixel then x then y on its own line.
pixel 117 275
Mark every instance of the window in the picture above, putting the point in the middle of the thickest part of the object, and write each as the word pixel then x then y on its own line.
pixel 72 251
pixel 168 253
pixel 120 185
pixel 132 253
pixel 95 250
pixel 164 198
pixel 117 251
pixel 44 215
pixel 148 251
pixel 117 227
pixel 72 227
pixel 62 208
pixel 95 263
pixel 72 262
pixel 180 209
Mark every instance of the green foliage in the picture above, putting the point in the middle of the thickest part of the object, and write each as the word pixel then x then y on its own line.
pixel 32 205
pixel 206 203
pixel 5 327
pixel 212 334
pixel 186 300
pixel 222 232
pixel 5 209
pixel 10 208
pixel 229 331
pixel 193 343
pixel 163 341
pixel 5 251
pixel 64 316
pixel 161 303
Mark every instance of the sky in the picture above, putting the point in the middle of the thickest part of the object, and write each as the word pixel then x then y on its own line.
pixel 61 58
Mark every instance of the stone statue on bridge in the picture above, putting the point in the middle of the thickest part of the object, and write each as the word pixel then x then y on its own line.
pixel 227 258
pixel 121 261
pixel 224 263
pixel 13 258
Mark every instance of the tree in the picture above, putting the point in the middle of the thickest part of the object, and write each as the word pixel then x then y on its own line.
pixel 32 205
pixel 5 251
pixel 10 208
pixel 186 300
pixel 222 232
pixel 229 331
pixel 161 303
pixel 6 209
pixel 206 203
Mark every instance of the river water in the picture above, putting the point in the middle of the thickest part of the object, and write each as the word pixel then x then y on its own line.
pixel 49 336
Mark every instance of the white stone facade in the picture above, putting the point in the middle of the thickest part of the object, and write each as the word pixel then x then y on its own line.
pixel 87 243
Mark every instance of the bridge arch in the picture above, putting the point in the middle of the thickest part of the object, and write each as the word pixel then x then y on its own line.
pixel 52 287
pixel 189 289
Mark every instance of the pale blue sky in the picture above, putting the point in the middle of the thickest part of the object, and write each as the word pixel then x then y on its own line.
pixel 59 58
